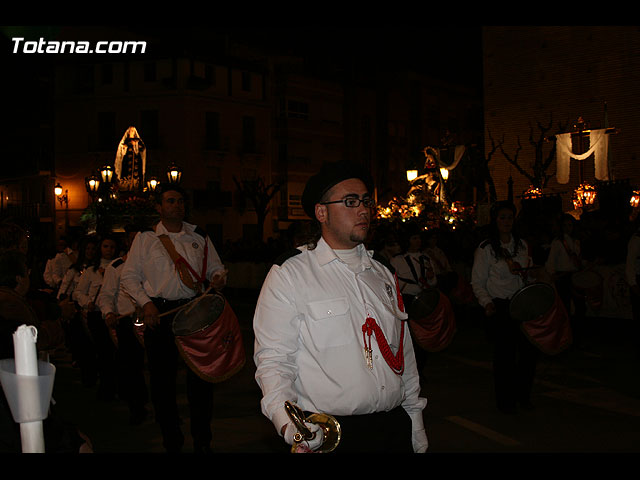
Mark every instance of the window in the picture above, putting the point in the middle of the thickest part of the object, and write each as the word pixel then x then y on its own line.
pixel 212 130
pixel 248 134
pixel 107 74
pixel 150 72
pixel 246 81
pixel 106 131
pixel 297 109
pixel 149 128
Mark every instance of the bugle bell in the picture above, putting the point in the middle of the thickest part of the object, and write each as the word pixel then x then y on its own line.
pixel 329 427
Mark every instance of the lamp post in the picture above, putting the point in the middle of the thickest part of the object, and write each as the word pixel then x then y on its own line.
pixel 174 174
pixel 63 198
pixel 92 185
pixel 152 184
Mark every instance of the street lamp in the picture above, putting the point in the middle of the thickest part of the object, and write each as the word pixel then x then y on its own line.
pixel 584 196
pixel 444 173
pixel 106 173
pixel 61 198
pixel 92 185
pixel 152 184
pixel 174 174
pixel 412 175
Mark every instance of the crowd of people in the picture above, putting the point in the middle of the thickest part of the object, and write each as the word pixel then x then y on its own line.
pixel 341 284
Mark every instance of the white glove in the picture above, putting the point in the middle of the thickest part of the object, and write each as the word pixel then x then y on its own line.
pixel 312 444
pixel 419 440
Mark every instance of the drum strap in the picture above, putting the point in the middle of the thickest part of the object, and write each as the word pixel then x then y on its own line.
pixel 182 266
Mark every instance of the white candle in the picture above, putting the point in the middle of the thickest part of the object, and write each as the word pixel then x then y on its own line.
pixel 26 360
pixel 24 345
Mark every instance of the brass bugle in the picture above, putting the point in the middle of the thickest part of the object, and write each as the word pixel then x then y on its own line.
pixel 329 426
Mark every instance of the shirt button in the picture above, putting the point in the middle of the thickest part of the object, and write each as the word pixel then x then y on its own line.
pixel 382 387
pixel 329 312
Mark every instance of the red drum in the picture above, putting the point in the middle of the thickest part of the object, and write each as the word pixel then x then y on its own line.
pixel 432 320
pixel 542 317
pixel 587 285
pixel 209 339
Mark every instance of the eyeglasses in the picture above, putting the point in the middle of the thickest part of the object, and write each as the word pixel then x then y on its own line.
pixel 353 202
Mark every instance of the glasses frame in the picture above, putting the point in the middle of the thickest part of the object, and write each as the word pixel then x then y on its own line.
pixel 354 198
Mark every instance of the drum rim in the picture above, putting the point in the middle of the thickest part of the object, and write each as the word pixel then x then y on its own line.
pixel 173 322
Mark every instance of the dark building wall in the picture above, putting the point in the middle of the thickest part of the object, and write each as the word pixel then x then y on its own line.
pixel 560 73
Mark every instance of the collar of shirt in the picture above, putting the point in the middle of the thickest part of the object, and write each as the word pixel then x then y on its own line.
pixel 162 230
pixel 325 254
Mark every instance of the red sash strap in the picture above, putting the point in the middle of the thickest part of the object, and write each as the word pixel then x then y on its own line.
pixel 396 362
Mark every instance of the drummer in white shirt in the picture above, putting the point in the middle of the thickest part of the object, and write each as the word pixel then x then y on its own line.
pixel 499 272
pixel 312 323
pixel 152 279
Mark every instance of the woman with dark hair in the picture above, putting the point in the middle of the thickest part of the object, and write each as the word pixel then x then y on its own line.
pixel 498 273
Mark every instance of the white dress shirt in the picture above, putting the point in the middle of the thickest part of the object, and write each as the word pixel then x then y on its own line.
pixel 56 267
pixel 407 282
pixel 111 298
pixel 309 346
pixel 559 260
pixel 491 278
pixel 89 284
pixel 149 271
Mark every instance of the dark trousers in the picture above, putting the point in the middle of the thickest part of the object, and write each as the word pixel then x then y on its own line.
pixel 380 432
pixel 83 349
pixel 514 359
pixel 129 360
pixel 105 354
pixel 569 297
pixel 164 360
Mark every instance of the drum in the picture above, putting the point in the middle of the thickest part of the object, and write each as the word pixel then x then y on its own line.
pixel 587 285
pixel 432 320
pixel 209 339
pixel 542 317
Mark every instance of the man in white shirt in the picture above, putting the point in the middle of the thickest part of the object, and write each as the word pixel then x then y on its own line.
pixel 57 266
pixel 330 329
pixel 118 311
pixel 152 279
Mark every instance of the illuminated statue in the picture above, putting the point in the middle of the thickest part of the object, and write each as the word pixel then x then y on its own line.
pixel 130 161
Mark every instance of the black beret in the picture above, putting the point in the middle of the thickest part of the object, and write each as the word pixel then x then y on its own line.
pixel 329 175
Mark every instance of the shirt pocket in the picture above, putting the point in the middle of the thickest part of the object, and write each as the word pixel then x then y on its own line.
pixel 330 323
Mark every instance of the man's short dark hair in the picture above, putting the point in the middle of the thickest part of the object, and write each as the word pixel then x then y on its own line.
pixel 169 187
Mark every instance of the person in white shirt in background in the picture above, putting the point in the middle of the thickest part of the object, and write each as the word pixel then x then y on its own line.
pixel 57 266
pixel 99 351
pixel 498 274
pixel 563 261
pixel 330 330
pixel 119 312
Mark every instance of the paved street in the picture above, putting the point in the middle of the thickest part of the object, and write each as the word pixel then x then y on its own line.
pixel 586 400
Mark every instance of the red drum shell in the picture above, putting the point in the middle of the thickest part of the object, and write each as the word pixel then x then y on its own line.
pixel 542 317
pixel 209 339
pixel 432 320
